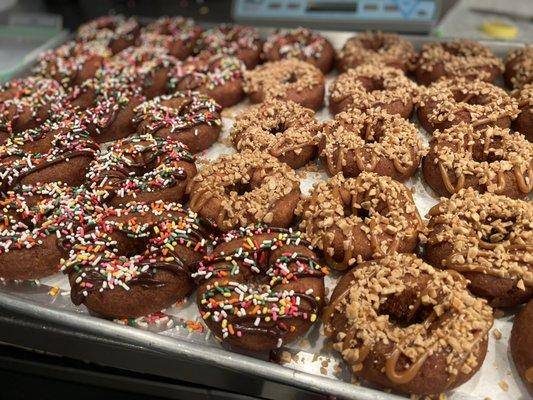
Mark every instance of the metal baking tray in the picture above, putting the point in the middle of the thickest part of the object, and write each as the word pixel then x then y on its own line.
pixel 177 334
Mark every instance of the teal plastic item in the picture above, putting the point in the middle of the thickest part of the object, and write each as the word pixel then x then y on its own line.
pixel 20 46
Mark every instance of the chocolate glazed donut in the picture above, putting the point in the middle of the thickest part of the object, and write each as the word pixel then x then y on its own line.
pixel 140 266
pixel 404 325
pixel 273 266
pixel 143 168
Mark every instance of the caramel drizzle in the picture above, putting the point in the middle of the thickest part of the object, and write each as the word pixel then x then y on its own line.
pixel 521 180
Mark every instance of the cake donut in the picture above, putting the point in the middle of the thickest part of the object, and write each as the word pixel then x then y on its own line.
pixel 460 58
pixel 449 102
pixel 182 34
pixel 107 106
pixel 117 31
pixel 73 63
pixel 261 288
pixel 28 102
pixel 519 67
pixel 135 262
pixel 300 44
pixel 283 129
pixel 375 141
pixel 293 80
pixel 357 219
pixel 53 152
pixel 373 86
pixel 524 122
pixel 143 168
pixel 376 48
pixel 219 77
pixel 245 188
pixel 488 238
pixel 492 160
pixel 522 344
pixel 38 223
pixel 406 326
pixel 188 117
pixel 149 67
pixel 241 41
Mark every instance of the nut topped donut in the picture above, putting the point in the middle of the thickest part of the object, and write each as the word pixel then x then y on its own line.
pixel 245 188
pixel 261 288
pixel 27 103
pixel 524 122
pixel 219 77
pixel 134 262
pixel 404 325
pixel 521 344
pixel 356 219
pixel 283 129
pixel 300 44
pixel 488 239
pixel 188 117
pixel 519 67
pixel 293 80
pixel 375 141
pixel 376 48
pixel 449 102
pixel 461 58
pixel 241 41
pixel 143 168
pixel 492 160
pixel 181 32
pixel 73 63
pixel 118 31
pixel 373 86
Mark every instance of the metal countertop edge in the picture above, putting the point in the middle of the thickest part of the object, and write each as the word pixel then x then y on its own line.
pixel 193 351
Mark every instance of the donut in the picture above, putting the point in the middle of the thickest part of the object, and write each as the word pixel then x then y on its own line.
pixel 460 58
pixel 488 238
pixel 375 141
pixel 182 34
pixel 373 86
pixel 143 168
pixel 376 48
pixel 38 223
pixel 188 117
pixel 283 129
pixel 219 77
pixel 261 288
pixel 492 160
pixel 117 31
pixel 293 80
pixel 449 102
pixel 73 63
pixel 404 325
pixel 522 344
pixel 28 102
pixel 55 151
pixel 107 106
pixel 241 41
pixel 245 188
pixel 135 262
pixel 300 44
pixel 519 67
pixel 357 219
pixel 524 122
pixel 149 67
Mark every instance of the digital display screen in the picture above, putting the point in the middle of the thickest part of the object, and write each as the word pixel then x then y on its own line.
pixel 331 6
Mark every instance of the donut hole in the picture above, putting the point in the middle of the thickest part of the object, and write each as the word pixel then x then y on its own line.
pixel 372 132
pixel 496 229
pixel 178 106
pixel 470 98
pixel 276 129
pixel 292 78
pixel 405 309
pixel 241 188
pixel 374 43
pixel 494 152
